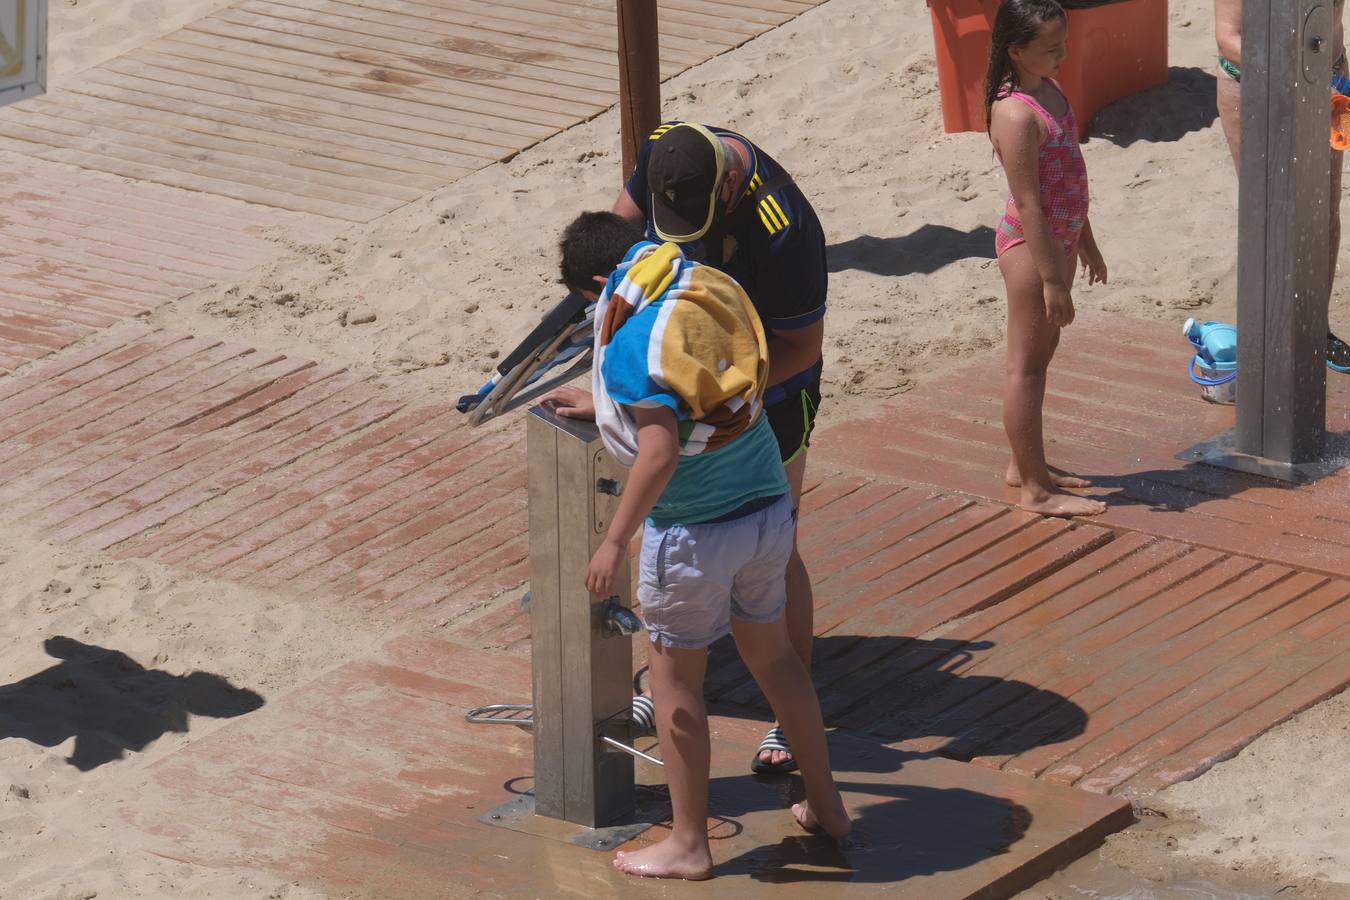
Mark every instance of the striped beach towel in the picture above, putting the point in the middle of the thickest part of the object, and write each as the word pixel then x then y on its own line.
pixel 671 332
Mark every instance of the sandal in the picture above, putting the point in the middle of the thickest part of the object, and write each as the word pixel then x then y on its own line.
pixel 1338 354
pixel 643 715
pixel 774 740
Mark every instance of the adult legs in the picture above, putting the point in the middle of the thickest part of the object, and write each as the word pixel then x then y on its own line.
pixel 1228 94
pixel 801 608
pixel 779 672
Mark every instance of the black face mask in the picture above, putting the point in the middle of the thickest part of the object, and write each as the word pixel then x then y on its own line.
pixel 702 250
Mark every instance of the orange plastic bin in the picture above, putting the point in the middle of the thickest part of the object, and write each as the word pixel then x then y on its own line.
pixel 1114 51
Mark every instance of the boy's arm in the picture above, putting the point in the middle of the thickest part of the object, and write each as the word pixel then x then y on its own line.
pixel 658 452
pixel 570 403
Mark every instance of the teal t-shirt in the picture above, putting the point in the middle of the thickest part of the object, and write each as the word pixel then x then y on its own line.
pixel 711 484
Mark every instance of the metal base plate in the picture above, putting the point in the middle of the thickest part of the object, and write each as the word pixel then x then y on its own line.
pixel 1221 451
pixel 653 806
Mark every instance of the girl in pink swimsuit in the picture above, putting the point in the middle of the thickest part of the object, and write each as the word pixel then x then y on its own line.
pixel 1043 235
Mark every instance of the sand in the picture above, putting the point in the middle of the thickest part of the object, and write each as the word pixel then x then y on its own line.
pixel 84 33
pixel 1280 801
pixel 846 98
pixel 108 666
pixel 907 212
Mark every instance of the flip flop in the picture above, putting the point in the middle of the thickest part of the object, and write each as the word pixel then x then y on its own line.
pixel 774 740
pixel 1338 354
pixel 643 716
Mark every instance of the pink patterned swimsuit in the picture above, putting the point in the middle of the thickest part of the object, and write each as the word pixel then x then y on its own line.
pixel 1064 186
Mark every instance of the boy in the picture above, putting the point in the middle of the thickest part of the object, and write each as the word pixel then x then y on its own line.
pixel 681 363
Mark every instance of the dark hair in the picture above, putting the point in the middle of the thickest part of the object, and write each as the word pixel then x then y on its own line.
pixel 594 244
pixel 1017 24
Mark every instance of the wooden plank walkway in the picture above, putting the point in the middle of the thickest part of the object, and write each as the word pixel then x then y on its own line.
pixel 368 780
pixel 1119 407
pixel 1140 663
pixel 83 250
pixel 1105 658
pixel 348 109
pixel 252 465
pixel 1072 652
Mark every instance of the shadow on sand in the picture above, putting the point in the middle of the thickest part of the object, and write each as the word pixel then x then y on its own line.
pixel 924 251
pixel 1162 114
pixel 110 703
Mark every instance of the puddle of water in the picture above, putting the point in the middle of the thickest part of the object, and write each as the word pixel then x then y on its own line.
pixel 1101 880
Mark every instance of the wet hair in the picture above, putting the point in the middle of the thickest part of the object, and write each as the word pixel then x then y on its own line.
pixel 1017 24
pixel 594 244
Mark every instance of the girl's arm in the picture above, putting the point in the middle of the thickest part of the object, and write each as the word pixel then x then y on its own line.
pixel 658 452
pixel 1017 133
pixel 1091 255
pixel 1228 29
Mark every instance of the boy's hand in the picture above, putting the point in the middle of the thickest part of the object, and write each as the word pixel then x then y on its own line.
pixel 1058 304
pixel 1093 264
pixel 604 568
pixel 570 403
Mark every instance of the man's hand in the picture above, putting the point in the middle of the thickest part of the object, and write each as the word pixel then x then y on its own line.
pixel 570 403
pixel 1058 304
pixel 604 568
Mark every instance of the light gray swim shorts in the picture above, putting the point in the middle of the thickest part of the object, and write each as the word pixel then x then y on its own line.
pixel 692 579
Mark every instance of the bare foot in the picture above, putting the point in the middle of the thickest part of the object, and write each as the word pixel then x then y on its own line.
pixel 837 824
pixel 1062 505
pixel 1058 477
pixel 775 757
pixel 666 859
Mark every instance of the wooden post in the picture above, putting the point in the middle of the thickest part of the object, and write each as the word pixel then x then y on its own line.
pixel 1283 253
pixel 1283 217
pixel 639 76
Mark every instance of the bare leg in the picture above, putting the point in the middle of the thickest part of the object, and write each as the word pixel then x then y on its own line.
pixel 1031 345
pixel 781 676
pixel 1334 231
pixel 682 725
pixel 1228 94
pixel 801 606
pixel 1061 478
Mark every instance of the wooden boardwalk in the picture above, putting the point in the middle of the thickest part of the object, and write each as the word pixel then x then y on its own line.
pixel 1106 658
pixel 368 782
pixel 1111 661
pixel 1119 408
pixel 347 110
pixel 253 465
pixel 83 250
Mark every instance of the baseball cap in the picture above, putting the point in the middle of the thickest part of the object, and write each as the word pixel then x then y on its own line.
pixel 685 167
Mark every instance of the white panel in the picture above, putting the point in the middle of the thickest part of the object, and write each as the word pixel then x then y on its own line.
pixel 23 49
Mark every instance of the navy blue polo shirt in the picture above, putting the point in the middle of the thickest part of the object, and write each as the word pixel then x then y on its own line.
pixel 774 248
